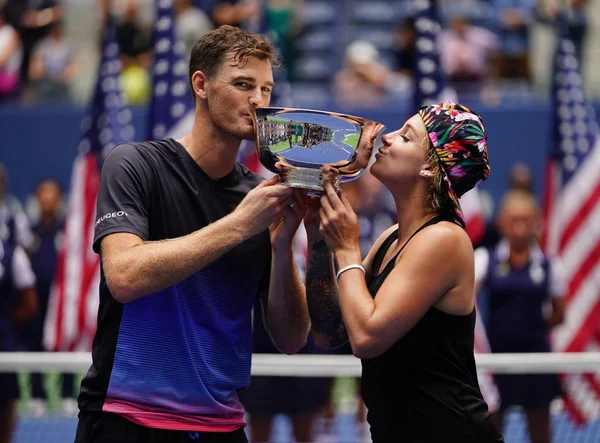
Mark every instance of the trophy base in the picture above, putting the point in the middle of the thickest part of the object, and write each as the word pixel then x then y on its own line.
pixel 308 178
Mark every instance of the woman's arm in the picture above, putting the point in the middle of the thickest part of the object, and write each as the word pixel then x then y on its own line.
pixel 429 270
pixel 434 264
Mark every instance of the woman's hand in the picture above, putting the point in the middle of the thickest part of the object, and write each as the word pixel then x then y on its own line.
pixel 338 223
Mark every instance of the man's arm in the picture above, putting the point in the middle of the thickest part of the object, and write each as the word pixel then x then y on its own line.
pixel 323 298
pixel 284 304
pixel 134 268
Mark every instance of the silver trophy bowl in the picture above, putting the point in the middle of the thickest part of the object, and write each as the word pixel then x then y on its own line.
pixel 308 148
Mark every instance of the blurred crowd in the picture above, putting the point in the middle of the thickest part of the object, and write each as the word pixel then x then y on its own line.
pixel 38 64
pixel 477 51
pixel 482 42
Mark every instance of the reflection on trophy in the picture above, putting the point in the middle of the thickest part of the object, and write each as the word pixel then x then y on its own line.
pixel 308 148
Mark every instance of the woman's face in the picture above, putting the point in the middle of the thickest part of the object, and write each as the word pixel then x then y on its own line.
pixel 404 153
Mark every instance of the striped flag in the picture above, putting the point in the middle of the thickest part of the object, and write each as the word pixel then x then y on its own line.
pixel 73 305
pixel 171 109
pixel 572 215
pixel 431 87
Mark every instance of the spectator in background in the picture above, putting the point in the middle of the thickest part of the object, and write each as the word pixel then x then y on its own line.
pixel 520 178
pixel 134 41
pixel 32 20
pixel 136 55
pixel 548 11
pixel 11 57
pixel 404 47
pixel 14 224
pixel 235 13
pixel 47 233
pixel 53 66
pixel 365 80
pixel 514 19
pixel 467 52
pixel 18 303
pixel 525 293
pixel 283 20
pixel 578 25
pixel 191 24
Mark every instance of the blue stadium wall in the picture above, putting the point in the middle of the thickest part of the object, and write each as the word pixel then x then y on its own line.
pixel 41 142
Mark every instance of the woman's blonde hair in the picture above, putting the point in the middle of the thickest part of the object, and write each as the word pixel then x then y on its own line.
pixel 438 199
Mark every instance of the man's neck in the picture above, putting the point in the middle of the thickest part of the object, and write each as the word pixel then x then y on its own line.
pixel 214 150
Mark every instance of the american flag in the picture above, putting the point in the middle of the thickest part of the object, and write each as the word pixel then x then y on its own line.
pixel 73 305
pixel 572 214
pixel 431 87
pixel 171 109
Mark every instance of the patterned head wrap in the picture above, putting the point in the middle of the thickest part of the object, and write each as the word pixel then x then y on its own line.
pixel 459 139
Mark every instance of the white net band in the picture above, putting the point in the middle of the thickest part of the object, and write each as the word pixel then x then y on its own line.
pixel 323 365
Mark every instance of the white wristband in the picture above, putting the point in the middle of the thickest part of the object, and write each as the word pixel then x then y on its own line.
pixel 346 268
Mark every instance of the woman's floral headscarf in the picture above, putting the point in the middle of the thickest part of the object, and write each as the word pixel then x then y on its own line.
pixel 459 139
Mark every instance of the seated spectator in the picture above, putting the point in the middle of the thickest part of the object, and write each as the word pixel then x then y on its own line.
pixel 191 23
pixel 548 11
pixel 32 20
pixel 235 13
pixel 514 19
pixel 11 56
pixel 134 41
pixel 53 67
pixel 404 47
pixel 283 20
pixel 136 55
pixel 364 80
pixel 466 51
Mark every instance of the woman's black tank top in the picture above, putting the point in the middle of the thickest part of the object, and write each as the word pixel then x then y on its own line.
pixel 424 388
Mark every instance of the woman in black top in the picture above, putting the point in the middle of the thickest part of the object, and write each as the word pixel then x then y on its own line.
pixel 408 308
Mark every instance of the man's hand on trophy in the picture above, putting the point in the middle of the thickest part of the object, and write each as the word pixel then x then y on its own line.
pixel 284 229
pixel 264 205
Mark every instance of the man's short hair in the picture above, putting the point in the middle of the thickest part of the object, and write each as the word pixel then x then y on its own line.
pixel 210 51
